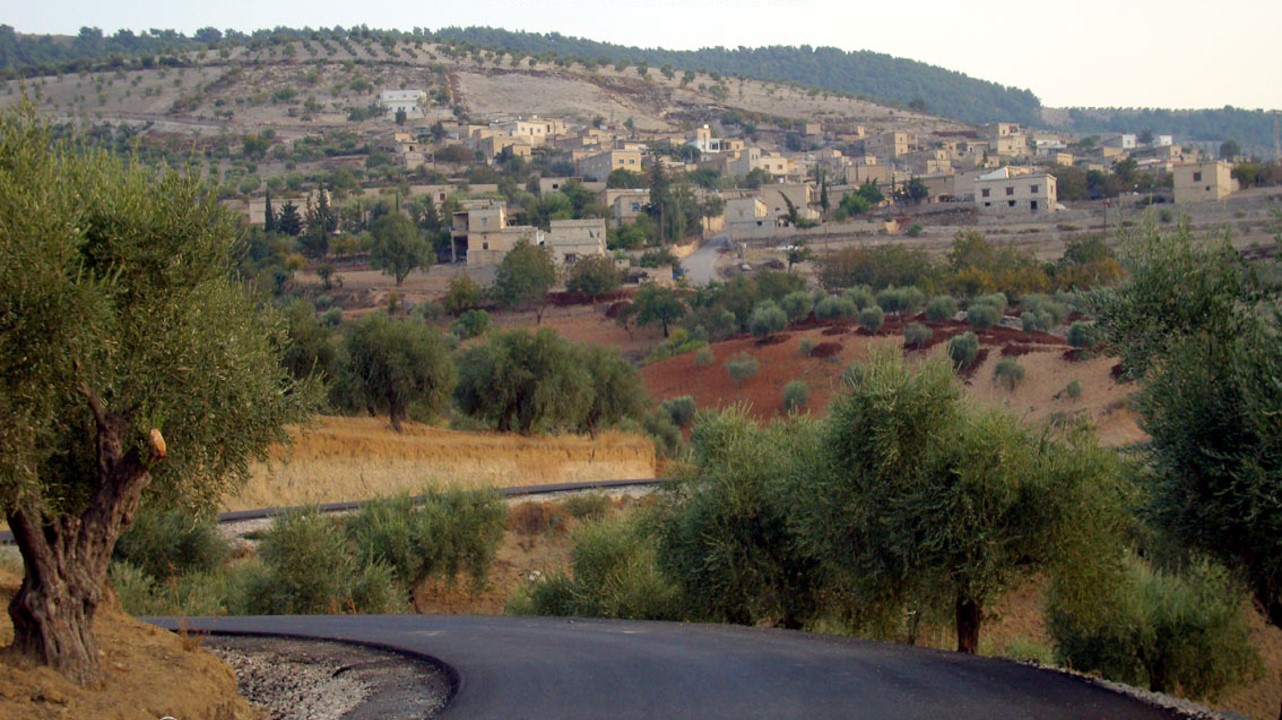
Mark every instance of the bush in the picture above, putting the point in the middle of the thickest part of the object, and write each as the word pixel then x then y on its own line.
pixel 1165 631
pixel 614 573
pixel 679 409
pixel 915 230
pixel 587 506
pixel 766 319
pixel 1028 321
pixel 997 300
pixel 1049 312
pixel 703 356
pixel 742 368
pixel 797 305
pixel 835 307
pixel 982 317
pixel 447 533
pixel 679 342
pixel 941 309
pixel 470 324
pixel 332 317
pixel 1085 335
pixel 666 436
pixel 795 395
pixel 806 346
pixel 1074 389
pixel 1008 372
pixel 963 349
pixel 900 301
pixel 861 295
pixel 871 319
pixel 308 567
pixel 167 543
pixel 917 335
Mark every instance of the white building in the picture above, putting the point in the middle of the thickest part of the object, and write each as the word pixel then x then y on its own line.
pixel 411 102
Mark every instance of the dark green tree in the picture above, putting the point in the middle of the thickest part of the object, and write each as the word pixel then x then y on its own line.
pixel 289 222
pixel 524 382
pixel 595 275
pixel 398 364
pixel 524 278
pixel 269 216
pixel 130 361
pixel 398 247
pixel 656 304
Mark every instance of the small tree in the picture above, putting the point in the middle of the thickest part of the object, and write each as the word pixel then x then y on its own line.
pixel 524 278
pixel 871 319
pixel 766 319
pixel 1008 372
pixel 983 316
pixel 129 361
pixel 657 304
pixel 963 349
pixel 917 335
pixel 398 363
pixel 523 382
pixel 795 395
pixel 595 275
pixel 941 308
pixel 398 248
pixel 741 368
pixel 462 293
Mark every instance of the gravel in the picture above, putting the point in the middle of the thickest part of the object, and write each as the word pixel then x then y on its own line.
pixel 313 680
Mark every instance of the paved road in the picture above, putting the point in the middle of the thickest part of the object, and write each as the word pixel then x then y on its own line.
pixel 701 265
pixel 560 668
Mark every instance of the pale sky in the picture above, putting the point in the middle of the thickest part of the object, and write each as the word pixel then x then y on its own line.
pixel 1127 53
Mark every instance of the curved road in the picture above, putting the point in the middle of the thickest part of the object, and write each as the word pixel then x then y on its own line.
pixel 701 265
pixel 567 668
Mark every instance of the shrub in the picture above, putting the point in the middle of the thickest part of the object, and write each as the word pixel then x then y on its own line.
pixel 963 349
pixel 861 295
pixel 666 436
pixel 431 311
pixel 982 317
pixel 614 573
pixel 806 346
pixel 332 317
pixel 679 409
pixel 1074 389
pixel 1028 321
pixel 703 356
pixel 795 394
pixel 901 301
pixel 167 543
pixel 587 506
pixel 741 368
pixel 941 309
pixel 997 300
pixel 1008 372
pixel 679 342
pixel 1086 335
pixel 1164 631
pixel 766 319
pixel 308 567
pixel 797 305
pixel 835 307
pixel 917 335
pixel 1049 312
pixel 470 324
pixel 915 230
pixel 871 318
pixel 376 591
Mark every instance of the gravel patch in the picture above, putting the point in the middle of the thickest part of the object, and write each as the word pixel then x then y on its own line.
pixel 314 680
pixel 1185 708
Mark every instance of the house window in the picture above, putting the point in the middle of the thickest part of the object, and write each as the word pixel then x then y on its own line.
pixel 1032 189
pixel 1010 191
pixel 1197 177
pixel 1033 206
pixel 485 246
pixel 1010 203
pixel 988 204
pixel 985 192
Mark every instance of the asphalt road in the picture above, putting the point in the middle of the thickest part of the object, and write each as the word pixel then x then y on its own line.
pixel 701 266
pixel 560 668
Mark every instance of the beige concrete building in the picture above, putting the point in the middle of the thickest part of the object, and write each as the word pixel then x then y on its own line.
pixel 573 240
pixel 1006 191
pixel 480 235
pixel 891 145
pixel 1006 139
pixel 1201 182
pixel 748 218
pixel 625 204
pixel 600 165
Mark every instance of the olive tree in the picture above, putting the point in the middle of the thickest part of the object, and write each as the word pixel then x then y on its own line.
pixel 129 362
pixel 398 248
pixel 524 278
pixel 399 363
pixel 521 381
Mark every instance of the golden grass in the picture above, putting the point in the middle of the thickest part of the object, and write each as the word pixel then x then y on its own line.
pixel 336 459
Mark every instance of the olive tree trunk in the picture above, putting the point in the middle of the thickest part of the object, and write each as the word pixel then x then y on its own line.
pixel 970 614
pixel 66 556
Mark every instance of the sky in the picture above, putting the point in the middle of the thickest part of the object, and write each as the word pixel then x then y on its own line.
pixel 1090 53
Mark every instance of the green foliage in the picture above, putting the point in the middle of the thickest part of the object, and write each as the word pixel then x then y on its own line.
pixel 878 266
pixel 163 543
pixel 871 318
pixel 680 343
pixel 1073 389
pixel 658 426
pixel 835 307
pixel 917 335
pixel 656 304
pixel 982 316
pixel 741 368
pixel 524 277
pixel 311 350
pixel 617 393
pixel 1167 631
pixel 594 275
pixel 797 305
pixel 963 349
pixel 725 535
pixel 309 568
pixel 399 364
pixel 680 409
pixel 795 395
pixel 447 533
pixel 941 308
pixel 587 505
pixel 614 573
pixel 1008 372
pixel 703 356
pixel 766 319
pixel 462 293
pixel 901 301
pixel 1085 335
pixel 470 324
pixel 806 346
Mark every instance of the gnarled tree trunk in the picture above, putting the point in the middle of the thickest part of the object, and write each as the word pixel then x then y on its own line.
pixel 970 614
pixel 66 556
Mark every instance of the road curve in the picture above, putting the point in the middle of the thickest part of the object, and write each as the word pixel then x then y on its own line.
pixel 701 266
pixel 510 667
